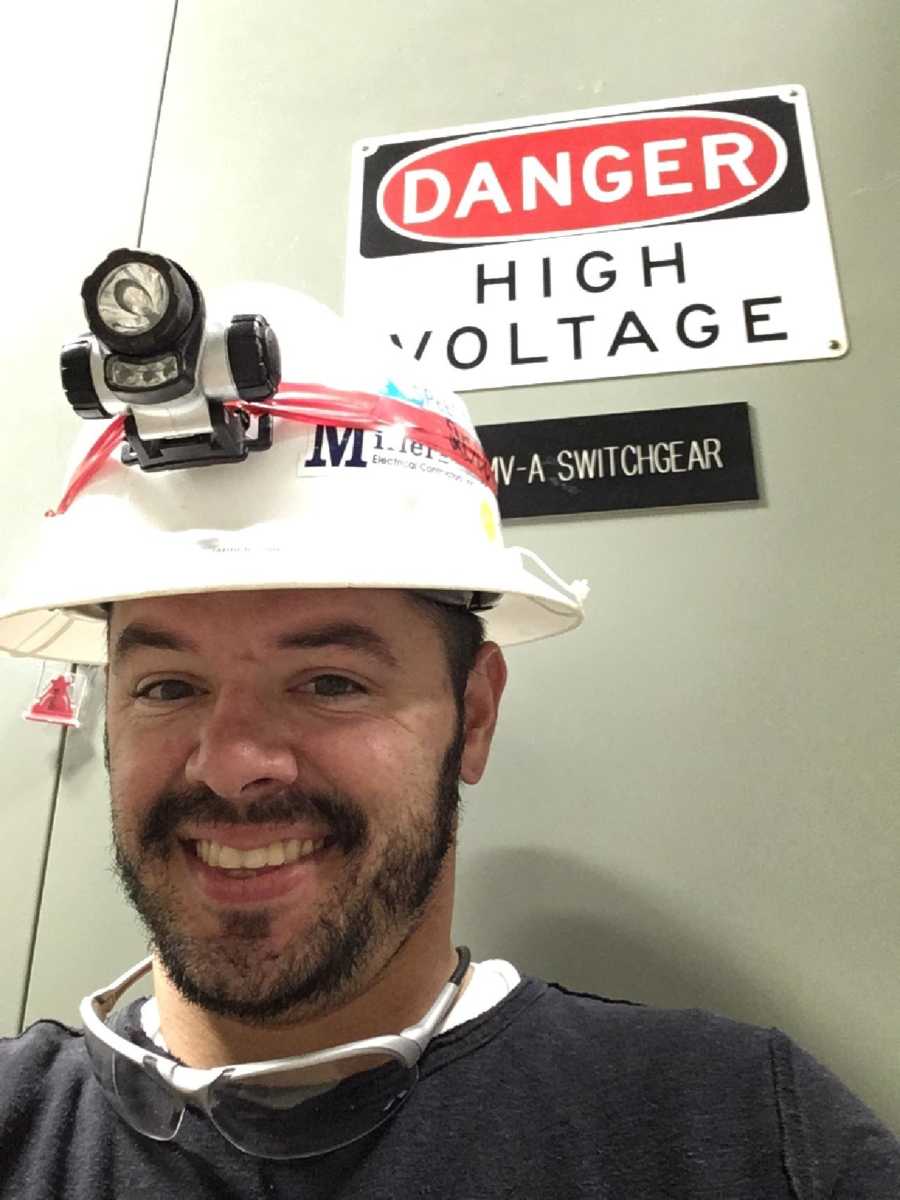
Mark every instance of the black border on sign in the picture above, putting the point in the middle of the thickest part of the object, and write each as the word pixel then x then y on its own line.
pixel 618 492
pixel 789 194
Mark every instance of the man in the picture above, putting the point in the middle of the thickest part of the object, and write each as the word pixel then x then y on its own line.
pixel 303 665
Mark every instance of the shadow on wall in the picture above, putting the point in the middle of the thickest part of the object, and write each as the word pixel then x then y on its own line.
pixel 558 918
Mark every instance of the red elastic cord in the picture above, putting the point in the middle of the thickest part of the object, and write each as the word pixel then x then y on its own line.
pixel 316 404
pixel 106 443
pixel 320 405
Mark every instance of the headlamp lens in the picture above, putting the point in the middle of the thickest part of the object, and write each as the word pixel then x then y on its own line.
pixel 133 298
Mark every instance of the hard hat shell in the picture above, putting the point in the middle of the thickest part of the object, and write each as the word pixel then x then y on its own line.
pixel 324 507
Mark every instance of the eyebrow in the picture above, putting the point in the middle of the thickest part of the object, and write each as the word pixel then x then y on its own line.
pixel 343 633
pixel 138 635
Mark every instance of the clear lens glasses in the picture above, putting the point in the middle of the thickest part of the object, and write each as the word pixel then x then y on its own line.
pixel 295 1113
pixel 297 1107
pixel 145 1100
pixel 133 298
pixel 301 1117
pixel 138 1094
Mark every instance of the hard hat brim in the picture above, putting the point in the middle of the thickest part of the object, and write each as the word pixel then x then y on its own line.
pixel 73 628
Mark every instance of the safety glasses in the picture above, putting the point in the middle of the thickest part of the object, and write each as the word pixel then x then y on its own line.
pixel 286 1108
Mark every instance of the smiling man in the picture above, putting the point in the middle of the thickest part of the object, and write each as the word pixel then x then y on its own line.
pixel 303 666
pixel 285 805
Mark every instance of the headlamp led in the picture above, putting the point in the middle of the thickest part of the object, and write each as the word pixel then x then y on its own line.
pixel 152 357
pixel 127 375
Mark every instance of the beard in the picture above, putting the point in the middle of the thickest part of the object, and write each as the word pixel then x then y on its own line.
pixel 372 908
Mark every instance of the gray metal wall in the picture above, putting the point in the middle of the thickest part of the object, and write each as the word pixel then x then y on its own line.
pixel 79 91
pixel 693 800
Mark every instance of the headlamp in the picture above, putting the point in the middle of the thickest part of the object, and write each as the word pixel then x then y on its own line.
pixel 151 355
pixel 138 303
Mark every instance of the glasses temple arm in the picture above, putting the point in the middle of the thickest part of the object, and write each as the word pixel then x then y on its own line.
pixel 444 1002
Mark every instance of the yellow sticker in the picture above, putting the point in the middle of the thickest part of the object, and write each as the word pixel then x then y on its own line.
pixel 488 520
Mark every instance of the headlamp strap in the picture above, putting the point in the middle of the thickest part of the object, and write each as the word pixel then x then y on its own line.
pixel 111 437
pixel 317 404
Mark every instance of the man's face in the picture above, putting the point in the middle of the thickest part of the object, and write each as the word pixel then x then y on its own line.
pixel 271 721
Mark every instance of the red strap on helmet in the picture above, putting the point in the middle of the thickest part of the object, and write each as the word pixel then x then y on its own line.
pixel 316 404
pixel 106 443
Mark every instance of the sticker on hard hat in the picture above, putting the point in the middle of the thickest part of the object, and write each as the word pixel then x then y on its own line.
pixel 329 446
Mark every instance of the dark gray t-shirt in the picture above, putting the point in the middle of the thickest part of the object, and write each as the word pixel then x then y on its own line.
pixel 551 1095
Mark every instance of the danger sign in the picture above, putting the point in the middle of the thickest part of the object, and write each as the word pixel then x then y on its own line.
pixel 680 235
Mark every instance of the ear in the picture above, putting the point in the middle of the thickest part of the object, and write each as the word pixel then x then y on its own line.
pixel 481 705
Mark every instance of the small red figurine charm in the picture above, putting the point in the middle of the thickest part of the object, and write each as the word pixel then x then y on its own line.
pixel 55 702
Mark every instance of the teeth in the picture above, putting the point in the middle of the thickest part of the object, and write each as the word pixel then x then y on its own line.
pixel 229 857
pixel 214 854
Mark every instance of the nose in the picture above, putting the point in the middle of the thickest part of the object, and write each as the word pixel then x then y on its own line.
pixel 243 750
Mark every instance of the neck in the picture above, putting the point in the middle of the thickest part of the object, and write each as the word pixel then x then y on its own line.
pixel 398 991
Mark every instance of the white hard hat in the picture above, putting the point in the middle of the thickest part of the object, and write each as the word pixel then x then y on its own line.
pixel 324 507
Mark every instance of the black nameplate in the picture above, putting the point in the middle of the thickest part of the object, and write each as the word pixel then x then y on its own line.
pixel 654 459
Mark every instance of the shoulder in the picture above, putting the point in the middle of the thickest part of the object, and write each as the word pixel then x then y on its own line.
pixel 690 1047
pixel 47 1055
pixel 685 1060
pixel 751 1083
pixel 56 1128
pixel 678 1030
pixel 655 1050
pixel 587 1039
pixel 40 1045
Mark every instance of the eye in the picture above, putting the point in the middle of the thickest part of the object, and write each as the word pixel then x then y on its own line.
pixel 333 686
pixel 166 691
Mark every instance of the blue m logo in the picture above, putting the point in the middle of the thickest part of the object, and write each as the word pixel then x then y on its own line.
pixel 338 442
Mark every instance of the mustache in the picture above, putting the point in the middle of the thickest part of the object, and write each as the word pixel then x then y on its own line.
pixel 347 824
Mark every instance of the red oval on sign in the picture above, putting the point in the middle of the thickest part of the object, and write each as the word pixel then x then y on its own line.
pixel 581 176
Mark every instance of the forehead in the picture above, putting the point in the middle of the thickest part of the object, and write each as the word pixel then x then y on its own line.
pixel 246 621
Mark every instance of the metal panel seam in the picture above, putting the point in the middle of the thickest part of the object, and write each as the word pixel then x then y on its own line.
pixel 48 833
pixel 162 93
pixel 45 856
